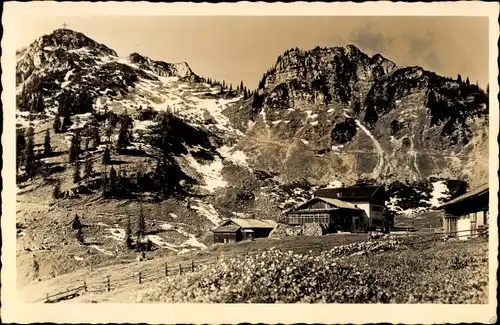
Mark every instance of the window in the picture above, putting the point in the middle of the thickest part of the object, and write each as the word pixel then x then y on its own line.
pixel 473 216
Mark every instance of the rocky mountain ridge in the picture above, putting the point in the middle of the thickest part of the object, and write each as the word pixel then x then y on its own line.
pixel 364 116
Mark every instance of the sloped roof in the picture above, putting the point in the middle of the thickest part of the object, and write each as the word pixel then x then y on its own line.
pixel 337 203
pixel 476 192
pixel 228 228
pixel 349 193
pixel 251 223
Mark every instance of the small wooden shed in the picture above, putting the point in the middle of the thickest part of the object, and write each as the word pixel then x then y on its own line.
pixel 228 234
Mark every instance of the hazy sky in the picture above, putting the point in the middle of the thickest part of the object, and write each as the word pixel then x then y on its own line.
pixel 243 48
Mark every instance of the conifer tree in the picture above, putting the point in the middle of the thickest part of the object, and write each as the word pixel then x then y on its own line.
pixel 29 157
pixel 80 237
pixel 74 149
pixel 106 157
pixel 57 124
pixel 76 173
pixel 40 107
pixel 123 140
pixel 66 123
pixel 112 175
pixel 47 148
pixel 76 223
pixel 141 222
pixel 128 233
pixel 467 81
pixel 459 79
pixel 56 194
pixel 88 170
pixel 241 85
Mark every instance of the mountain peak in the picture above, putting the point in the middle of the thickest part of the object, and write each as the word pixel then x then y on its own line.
pixel 68 39
pixel 180 69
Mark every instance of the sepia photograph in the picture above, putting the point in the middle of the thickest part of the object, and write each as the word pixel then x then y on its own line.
pixel 233 156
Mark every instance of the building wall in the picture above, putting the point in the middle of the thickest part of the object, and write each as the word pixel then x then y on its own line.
pixel 227 237
pixel 297 219
pixel 463 224
pixel 366 207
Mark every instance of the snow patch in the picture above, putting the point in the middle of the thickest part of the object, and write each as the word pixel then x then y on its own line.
pixel 211 172
pixel 207 210
pixel 237 156
pixel 304 141
pixel 314 123
pixel 66 78
pixel 102 250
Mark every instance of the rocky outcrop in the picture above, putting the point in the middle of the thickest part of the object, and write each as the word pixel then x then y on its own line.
pixel 364 117
pixel 310 229
pixel 164 69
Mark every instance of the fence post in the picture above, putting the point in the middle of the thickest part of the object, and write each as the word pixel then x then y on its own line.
pixel 109 284
pixel 180 269
pixel 192 266
pixel 140 277
pixel 47 298
pixel 84 285
pixel 166 269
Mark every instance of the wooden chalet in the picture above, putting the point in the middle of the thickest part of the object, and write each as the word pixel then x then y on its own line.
pixel 235 230
pixel 369 198
pixel 467 214
pixel 335 215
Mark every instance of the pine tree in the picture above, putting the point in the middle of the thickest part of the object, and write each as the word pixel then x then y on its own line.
pixel 47 148
pixel 74 149
pixel 76 223
pixel 128 234
pixel 112 175
pixel 122 141
pixel 80 237
pixel 106 157
pixel 76 173
pixel 141 222
pixel 467 81
pixel 88 170
pixel 57 124
pixel 56 194
pixel 459 79
pixel 40 105
pixel 29 157
pixel 66 123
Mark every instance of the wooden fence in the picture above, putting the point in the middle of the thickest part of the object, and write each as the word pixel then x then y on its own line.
pixel 171 269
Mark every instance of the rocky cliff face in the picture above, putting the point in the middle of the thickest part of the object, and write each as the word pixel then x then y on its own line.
pixel 337 114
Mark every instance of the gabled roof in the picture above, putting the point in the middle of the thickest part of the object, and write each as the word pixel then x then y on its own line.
pixel 335 202
pixel 229 228
pixel 476 192
pixel 251 223
pixel 362 192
